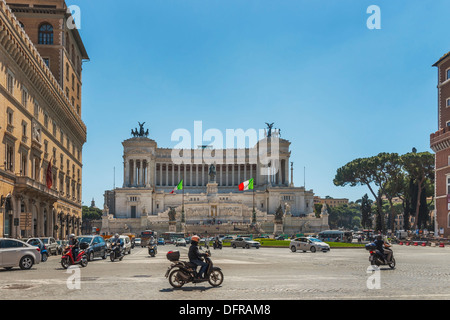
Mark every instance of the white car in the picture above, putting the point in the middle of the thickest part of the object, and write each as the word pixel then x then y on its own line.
pixel 308 244
pixel 16 253
pixel 126 243
pixel 180 242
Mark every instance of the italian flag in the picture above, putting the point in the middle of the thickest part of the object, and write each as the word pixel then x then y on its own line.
pixel 246 185
pixel 178 187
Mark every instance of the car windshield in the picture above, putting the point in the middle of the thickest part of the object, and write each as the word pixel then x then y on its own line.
pixel 85 239
pixel 247 239
pixel 314 240
pixel 44 240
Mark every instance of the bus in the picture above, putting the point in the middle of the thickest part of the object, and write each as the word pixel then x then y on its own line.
pixel 336 236
pixel 146 235
pixel 171 237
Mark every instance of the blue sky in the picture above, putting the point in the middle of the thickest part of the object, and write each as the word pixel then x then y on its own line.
pixel 337 90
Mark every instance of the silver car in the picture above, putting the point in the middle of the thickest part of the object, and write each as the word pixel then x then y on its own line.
pixel 16 253
pixel 245 243
pixel 308 244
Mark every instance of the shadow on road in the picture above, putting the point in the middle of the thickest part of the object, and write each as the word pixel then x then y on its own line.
pixel 187 289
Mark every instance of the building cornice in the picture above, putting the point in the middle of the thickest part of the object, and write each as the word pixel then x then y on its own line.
pixel 22 50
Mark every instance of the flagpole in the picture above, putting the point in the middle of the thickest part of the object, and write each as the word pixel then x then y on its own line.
pixel 182 200
pixel 254 212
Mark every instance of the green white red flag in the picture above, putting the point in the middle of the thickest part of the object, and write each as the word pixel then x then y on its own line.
pixel 178 187
pixel 246 185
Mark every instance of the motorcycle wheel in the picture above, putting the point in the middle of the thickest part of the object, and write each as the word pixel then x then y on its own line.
pixel 392 264
pixel 215 278
pixel 44 257
pixel 112 256
pixel 65 263
pixel 84 261
pixel 175 280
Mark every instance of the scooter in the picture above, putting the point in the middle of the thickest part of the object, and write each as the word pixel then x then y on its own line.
pixel 376 258
pixel 152 249
pixel 217 245
pixel 117 252
pixel 182 272
pixel 68 260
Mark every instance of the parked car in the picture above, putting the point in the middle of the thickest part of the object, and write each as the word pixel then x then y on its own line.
pixel 161 241
pixel 180 242
pixel 308 244
pixel 227 239
pixel 51 244
pixel 126 243
pixel 17 253
pixel 97 246
pixel 245 243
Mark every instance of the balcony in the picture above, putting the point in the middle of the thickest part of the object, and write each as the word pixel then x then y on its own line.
pixel 440 140
pixel 35 189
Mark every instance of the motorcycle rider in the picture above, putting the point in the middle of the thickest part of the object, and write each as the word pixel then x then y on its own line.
pixel 73 241
pixel 217 242
pixel 116 241
pixel 381 245
pixel 195 257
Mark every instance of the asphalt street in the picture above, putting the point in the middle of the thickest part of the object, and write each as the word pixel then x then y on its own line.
pixel 249 274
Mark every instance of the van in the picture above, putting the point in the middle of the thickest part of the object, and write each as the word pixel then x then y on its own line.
pixel 401 234
pixel 126 243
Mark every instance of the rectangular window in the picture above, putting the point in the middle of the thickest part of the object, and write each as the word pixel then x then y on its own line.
pixel 133 211
pixel 36 110
pixel 9 157
pixel 47 61
pixel 24 97
pixel 448 74
pixel 10 82
pixel 448 102
pixel 448 184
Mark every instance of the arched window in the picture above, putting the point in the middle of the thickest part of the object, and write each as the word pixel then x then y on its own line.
pixel 46 34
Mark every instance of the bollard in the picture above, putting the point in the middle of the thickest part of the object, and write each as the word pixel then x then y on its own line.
pixel 441 245
pixel 401 243
pixel 416 244
pixel 407 243
pixel 424 244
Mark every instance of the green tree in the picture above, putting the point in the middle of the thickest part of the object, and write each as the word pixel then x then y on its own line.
pixel 420 168
pixel 366 212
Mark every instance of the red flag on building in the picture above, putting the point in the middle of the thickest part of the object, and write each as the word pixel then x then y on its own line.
pixel 49 174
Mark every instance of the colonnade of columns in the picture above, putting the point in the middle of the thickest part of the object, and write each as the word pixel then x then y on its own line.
pixel 144 173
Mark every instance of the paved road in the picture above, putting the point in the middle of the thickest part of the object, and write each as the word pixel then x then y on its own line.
pixel 266 273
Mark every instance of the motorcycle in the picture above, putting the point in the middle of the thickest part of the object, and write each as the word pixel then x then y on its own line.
pixel 376 258
pixel 117 252
pixel 182 272
pixel 152 249
pixel 67 258
pixel 217 245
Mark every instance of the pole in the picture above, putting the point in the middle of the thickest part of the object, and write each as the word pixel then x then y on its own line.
pixel 254 212
pixel 304 177
pixel 182 201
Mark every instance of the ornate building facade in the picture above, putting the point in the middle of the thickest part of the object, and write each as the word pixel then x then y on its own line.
pixel 210 179
pixel 440 144
pixel 42 133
